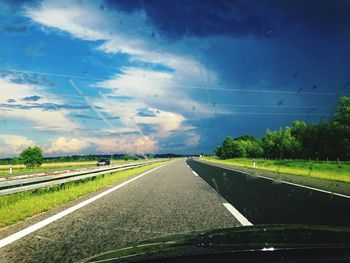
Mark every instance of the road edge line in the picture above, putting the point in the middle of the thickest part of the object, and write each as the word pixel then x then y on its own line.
pixel 241 218
pixel 28 230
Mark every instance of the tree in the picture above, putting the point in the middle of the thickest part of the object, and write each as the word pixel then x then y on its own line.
pixel 327 140
pixel 281 144
pixel 254 148
pixel 32 157
pixel 230 149
pixel 245 138
pixel 226 149
pixel 16 160
pixel 298 129
pixel 218 151
pixel 242 146
pixel 238 149
pixel 342 111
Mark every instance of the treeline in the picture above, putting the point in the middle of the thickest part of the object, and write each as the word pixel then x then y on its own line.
pixel 323 141
pixel 83 158
pixel 79 158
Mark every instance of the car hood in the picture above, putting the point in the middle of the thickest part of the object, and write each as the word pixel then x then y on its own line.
pixel 248 238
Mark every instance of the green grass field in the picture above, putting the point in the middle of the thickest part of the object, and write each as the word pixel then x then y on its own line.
pixel 324 170
pixel 17 207
pixel 20 168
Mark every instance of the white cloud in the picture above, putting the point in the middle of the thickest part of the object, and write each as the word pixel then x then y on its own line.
pixel 40 119
pixel 166 93
pixel 164 121
pixel 150 88
pixel 120 32
pixel 136 82
pixel 13 144
pixel 85 20
pixel 9 89
pixel 155 91
pixel 67 145
pixel 130 144
pixel 69 17
pixel 193 139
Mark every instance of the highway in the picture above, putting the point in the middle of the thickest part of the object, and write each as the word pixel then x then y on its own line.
pixel 178 197
pixel 12 185
pixel 267 201
pixel 168 200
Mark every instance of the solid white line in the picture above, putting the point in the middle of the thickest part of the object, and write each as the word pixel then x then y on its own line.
pixel 12 238
pixel 244 221
pixel 316 189
pixel 304 186
pixel 194 173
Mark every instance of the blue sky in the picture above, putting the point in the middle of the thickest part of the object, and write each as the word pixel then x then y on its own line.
pixel 86 77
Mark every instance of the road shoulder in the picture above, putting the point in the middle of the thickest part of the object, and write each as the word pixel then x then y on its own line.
pixel 326 185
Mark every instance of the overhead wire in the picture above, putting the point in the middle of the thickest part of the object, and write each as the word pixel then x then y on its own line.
pixel 208 88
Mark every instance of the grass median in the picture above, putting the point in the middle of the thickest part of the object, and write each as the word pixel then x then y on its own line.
pixel 328 170
pixel 18 207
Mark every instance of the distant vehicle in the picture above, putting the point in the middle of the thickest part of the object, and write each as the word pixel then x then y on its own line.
pixel 103 162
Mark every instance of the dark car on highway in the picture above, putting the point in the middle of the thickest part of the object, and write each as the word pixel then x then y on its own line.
pixel 103 162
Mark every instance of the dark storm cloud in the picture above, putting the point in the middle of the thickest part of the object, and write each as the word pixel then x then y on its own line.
pixel 323 15
pixel 199 18
pixel 239 18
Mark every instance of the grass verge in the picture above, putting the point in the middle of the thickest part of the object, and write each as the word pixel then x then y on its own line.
pixel 323 170
pixel 19 206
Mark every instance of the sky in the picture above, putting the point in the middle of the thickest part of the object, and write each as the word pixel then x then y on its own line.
pixel 165 76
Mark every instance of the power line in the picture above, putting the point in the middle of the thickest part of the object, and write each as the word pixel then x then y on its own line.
pixel 258 113
pixel 51 74
pixel 211 104
pixel 261 91
pixel 299 92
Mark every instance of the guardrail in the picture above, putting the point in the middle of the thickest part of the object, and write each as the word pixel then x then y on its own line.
pixel 21 185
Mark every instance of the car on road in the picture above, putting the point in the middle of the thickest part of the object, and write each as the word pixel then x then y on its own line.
pixel 103 162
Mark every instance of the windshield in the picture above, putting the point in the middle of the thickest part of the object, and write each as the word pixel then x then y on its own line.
pixel 122 121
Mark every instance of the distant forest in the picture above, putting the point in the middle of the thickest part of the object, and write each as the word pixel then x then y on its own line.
pixel 83 158
pixel 328 140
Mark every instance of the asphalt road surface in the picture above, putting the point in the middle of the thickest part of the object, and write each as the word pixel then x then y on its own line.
pixel 264 201
pixel 171 199
pixel 179 197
